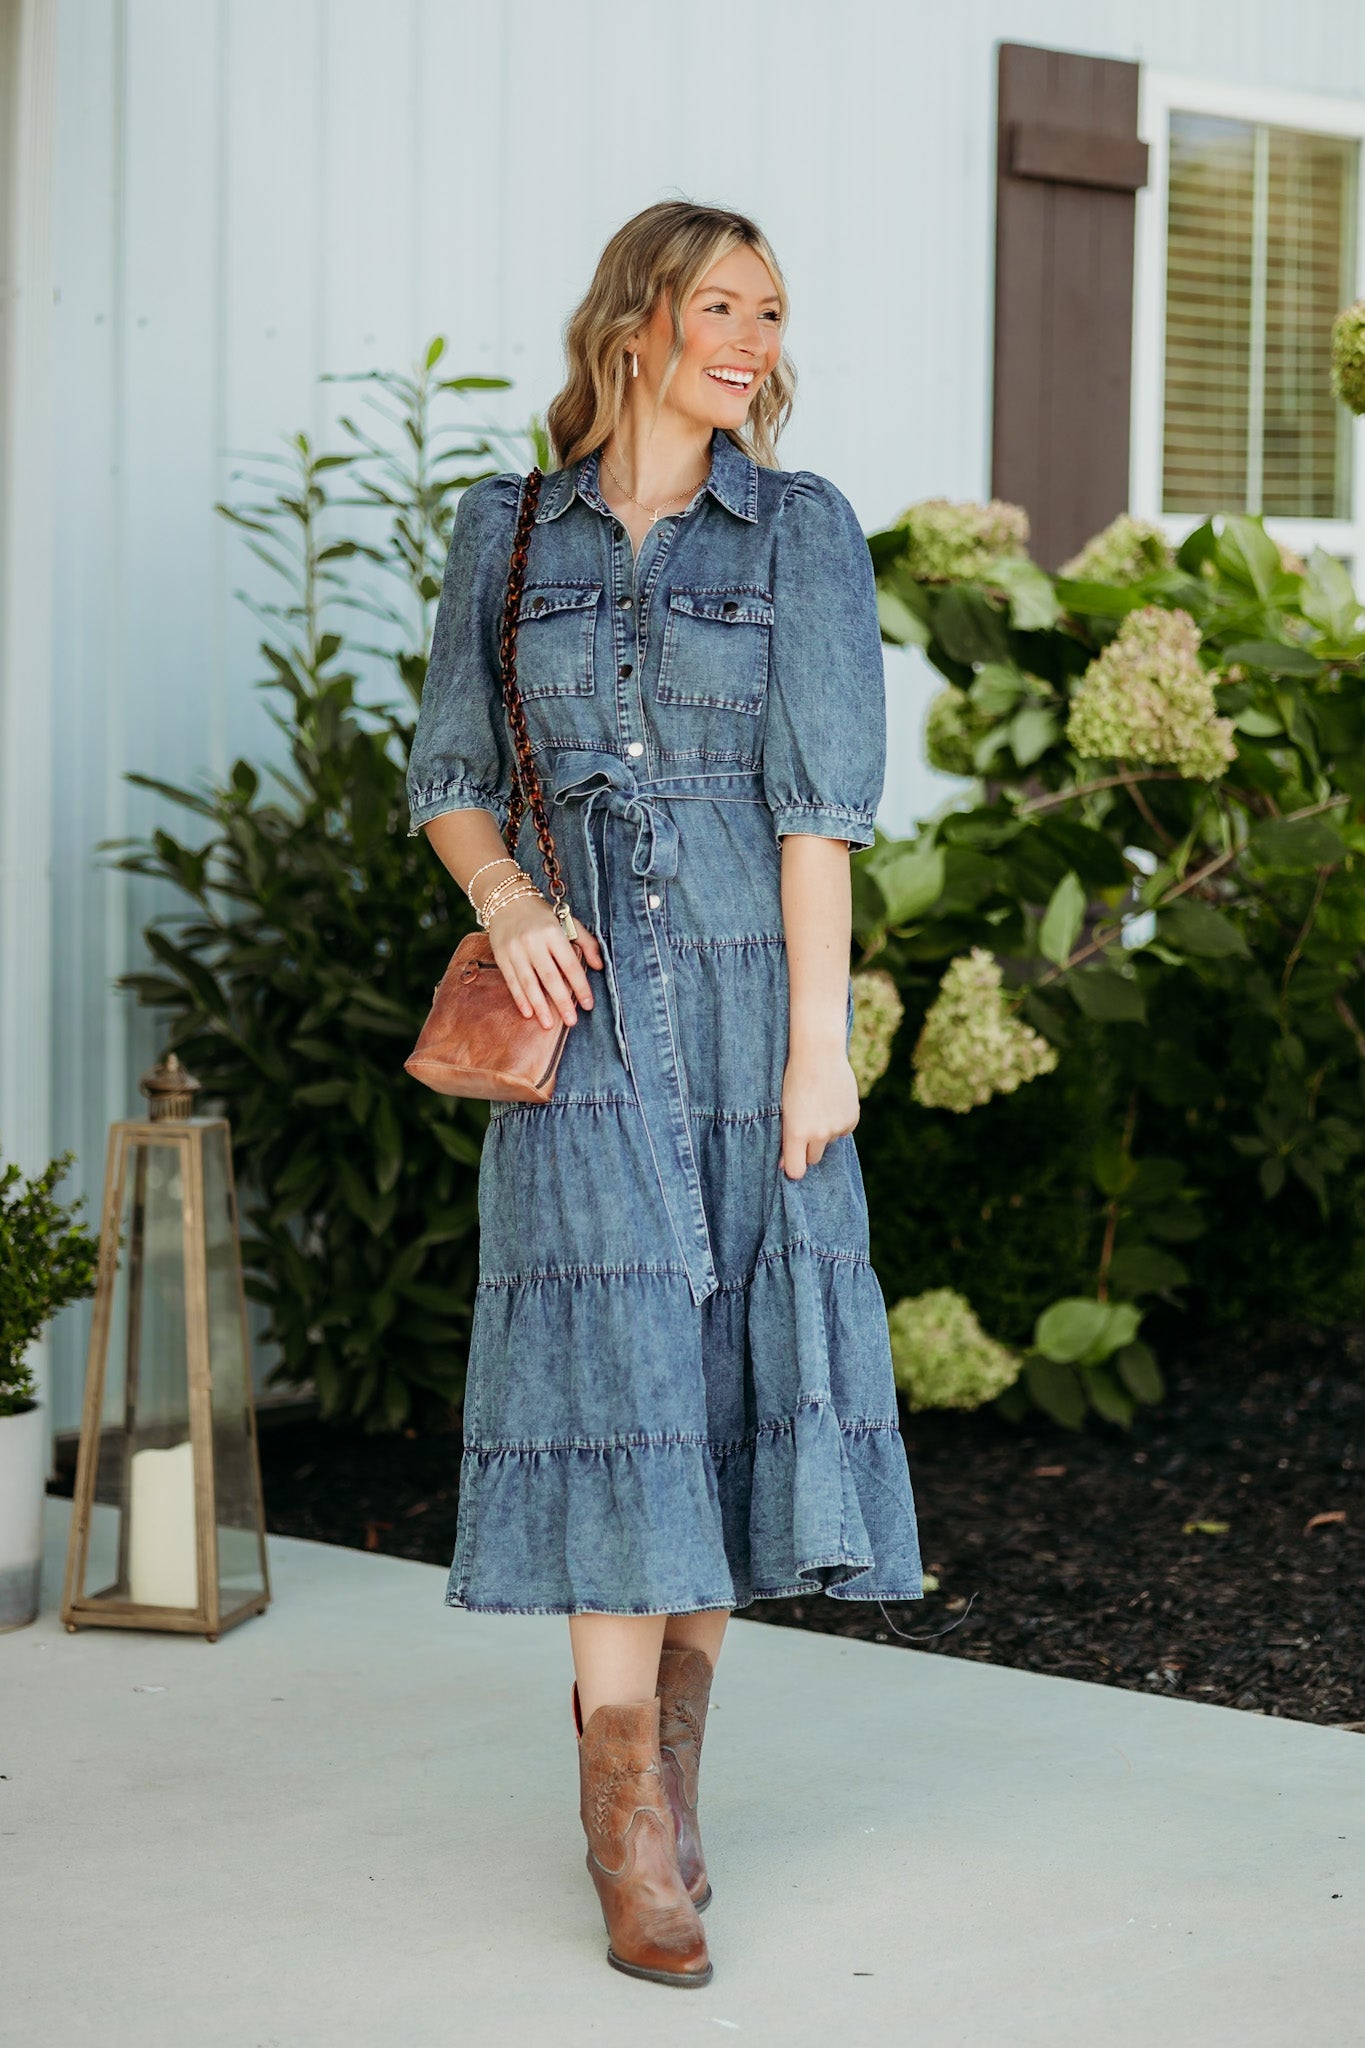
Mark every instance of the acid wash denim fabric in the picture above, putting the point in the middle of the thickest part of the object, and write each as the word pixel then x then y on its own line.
pixel 680 1392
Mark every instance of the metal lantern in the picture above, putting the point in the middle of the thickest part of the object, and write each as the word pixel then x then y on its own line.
pixel 168 1525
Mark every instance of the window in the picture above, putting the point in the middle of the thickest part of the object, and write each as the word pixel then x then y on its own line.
pixel 1259 248
pixel 1248 246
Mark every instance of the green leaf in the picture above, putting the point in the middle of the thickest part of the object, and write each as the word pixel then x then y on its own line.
pixel 997 688
pixel 1274 656
pixel 1062 919
pixel 1112 1166
pixel 321 1094
pixel 969 627
pixel 1032 599
pixel 910 881
pixel 388 1140
pixel 1067 1329
pixel 1199 929
pixel 1143 1269
pixel 456 1143
pixel 1032 731
pixel 1106 996
pixel 1138 1369
pixel 1057 1390
pixel 1246 554
pixel 1328 599
pixel 1107 1397
pixel 196 977
pixel 1258 724
pixel 1079 1331
pixel 1296 842
pixel 898 623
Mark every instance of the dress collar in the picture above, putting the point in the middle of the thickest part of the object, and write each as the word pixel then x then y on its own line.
pixel 733 482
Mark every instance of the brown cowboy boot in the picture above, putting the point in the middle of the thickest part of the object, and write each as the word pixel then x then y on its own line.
pixel 652 1926
pixel 684 1690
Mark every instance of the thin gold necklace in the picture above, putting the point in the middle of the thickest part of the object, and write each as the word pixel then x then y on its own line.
pixel 653 515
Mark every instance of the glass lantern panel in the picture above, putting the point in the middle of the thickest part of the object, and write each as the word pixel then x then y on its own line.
pixel 236 1485
pixel 142 1538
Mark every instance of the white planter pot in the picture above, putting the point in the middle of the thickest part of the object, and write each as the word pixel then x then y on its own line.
pixel 23 1475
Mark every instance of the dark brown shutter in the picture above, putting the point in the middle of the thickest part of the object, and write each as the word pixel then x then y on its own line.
pixel 1068 164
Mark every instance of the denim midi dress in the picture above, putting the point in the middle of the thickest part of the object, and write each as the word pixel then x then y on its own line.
pixel 679 1390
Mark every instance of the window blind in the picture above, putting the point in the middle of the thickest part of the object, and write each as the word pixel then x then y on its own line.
pixel 1260 258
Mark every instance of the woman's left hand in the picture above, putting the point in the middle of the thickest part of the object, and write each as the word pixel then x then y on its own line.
pixel 819 1103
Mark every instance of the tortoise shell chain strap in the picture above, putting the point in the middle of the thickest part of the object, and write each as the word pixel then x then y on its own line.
pixel 526 789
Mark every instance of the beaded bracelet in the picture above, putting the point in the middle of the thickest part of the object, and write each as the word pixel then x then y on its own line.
pixel 506 893
pixel 496 863
pixel 530 890
pixel 499 889
pixel 508 882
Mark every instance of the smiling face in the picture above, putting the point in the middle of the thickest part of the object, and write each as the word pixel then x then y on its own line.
pixel 732 328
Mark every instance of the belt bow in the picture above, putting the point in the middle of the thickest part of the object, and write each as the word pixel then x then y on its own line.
pixel 607 787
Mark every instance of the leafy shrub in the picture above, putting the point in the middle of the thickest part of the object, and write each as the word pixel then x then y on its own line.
pixel 47 1260
pixel 299 974
pixel 1163 860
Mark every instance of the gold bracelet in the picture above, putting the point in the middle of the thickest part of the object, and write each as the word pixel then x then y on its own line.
pixel 499 889
pixel 486 916
pixel 497 863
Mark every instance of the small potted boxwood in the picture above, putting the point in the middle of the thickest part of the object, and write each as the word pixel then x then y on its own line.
pixel 47 1259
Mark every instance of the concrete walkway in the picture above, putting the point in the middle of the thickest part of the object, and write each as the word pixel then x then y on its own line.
pixel 353 1822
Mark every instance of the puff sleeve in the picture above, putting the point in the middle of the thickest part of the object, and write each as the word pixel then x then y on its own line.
pixel 824 747
pixel 461 757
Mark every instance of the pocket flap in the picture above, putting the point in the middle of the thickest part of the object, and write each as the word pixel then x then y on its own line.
pixel 539 600
pixel 741 606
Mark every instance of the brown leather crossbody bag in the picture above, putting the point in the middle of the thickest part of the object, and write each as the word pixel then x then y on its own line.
pixel 475 1040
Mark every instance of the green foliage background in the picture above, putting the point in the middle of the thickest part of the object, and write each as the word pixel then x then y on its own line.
pixel 47 1259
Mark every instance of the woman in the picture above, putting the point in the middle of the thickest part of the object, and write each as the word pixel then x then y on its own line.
pixel 680 1396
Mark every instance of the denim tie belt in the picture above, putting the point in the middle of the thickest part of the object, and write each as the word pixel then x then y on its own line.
pixel 631 841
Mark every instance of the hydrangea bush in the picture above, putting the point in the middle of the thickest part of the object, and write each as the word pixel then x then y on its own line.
pixel 941 1355
pixel 1154 885
pixel 1148 697
pixel 971 1046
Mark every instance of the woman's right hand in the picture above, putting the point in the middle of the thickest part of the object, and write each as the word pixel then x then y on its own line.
pixel 540 966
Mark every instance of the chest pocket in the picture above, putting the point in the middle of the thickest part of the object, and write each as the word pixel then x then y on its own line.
pixel 556 625
pixel 715 647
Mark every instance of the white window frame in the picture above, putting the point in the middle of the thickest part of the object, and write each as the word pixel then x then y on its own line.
pixel 1161 93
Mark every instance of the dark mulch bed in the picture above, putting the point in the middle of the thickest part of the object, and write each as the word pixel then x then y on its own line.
pixel 1054 1551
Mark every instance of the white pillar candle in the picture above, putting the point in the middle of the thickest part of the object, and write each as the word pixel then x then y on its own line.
pixel 163 1570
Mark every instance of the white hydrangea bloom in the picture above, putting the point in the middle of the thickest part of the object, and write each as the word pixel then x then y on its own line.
pixel 970 1046
pixel 1126 550
pixel 1147 697
pixel 1348 356
pixel 952 725
pixel 877 1012
pixel 941 1355
pixel 948 539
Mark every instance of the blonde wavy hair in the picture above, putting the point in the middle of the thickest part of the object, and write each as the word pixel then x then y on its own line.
pixel 666 248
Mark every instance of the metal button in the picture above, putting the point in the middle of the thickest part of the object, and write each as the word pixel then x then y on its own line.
pixel 655 901
pixel 626 603
pixel 635 749
pixel 729 605
pixel 625 669
pixel 537 603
